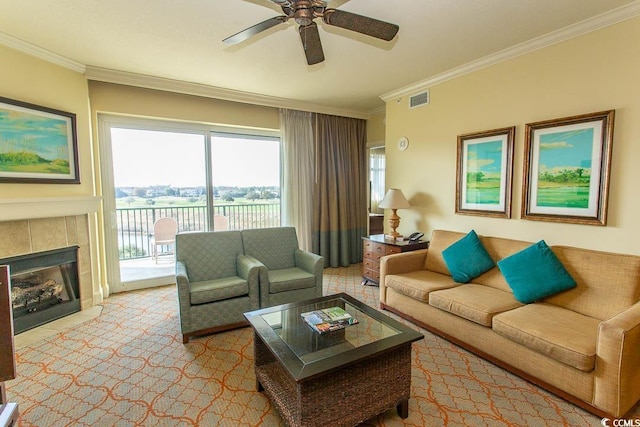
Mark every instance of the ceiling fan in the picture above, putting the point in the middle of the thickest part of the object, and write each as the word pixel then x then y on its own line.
pixel 304 12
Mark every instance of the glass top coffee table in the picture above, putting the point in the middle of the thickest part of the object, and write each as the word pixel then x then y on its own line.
pixel 339 378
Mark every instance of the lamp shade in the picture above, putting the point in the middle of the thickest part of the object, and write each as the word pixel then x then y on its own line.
pixel 394 199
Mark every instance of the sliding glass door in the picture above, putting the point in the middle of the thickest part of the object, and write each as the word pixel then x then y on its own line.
pixel 161 178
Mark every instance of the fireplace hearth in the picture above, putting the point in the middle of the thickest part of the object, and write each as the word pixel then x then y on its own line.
pixel 44 286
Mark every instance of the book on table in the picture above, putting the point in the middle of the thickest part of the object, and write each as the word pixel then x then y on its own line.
pixel 328 319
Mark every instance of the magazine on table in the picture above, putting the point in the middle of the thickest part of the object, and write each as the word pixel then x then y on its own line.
pixel 328 319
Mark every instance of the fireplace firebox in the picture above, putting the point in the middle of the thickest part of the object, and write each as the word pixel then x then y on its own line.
pixel 44 286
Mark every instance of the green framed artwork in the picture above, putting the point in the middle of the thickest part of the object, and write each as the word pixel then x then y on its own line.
pixel 567 167
pixel 484 173
pixel 37 144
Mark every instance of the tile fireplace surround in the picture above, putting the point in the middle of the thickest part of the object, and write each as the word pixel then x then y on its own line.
pixel 27 236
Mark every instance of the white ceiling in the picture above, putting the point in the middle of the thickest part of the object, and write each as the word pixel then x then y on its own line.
pixel 181 40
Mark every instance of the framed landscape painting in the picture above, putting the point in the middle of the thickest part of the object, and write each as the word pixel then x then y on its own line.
pixel 37 144
pixel 484 173
pixel 566 170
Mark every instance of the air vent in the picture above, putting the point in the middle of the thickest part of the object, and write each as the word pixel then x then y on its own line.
pixel 419 100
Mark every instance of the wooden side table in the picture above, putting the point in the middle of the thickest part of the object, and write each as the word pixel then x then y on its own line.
pixel 375 247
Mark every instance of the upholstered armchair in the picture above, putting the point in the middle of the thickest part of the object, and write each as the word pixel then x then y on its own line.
pixel 289 273
pixel 216 282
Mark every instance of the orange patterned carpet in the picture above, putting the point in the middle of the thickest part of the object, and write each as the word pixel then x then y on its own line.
pixel 128 367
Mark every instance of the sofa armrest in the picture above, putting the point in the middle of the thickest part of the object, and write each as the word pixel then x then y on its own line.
pixel 182 279
pixel 313 264
pixel 263 275
pixel 618 362
pixel 249 269
pixel 184 296
pixel 400 263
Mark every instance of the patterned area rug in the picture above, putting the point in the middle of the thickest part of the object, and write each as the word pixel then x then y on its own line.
pixel 128 367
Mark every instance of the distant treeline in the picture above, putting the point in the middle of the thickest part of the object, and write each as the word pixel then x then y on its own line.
pixel 28 158
pixel 567 176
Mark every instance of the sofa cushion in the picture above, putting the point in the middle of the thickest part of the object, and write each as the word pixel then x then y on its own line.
pixel 535 273
pixel 499 248
pixel 477 303
pixel 467 258
pixel 595 272
pixel 218 289
pixel 289 279
pixel 562 334
pixel 440 240
pixel 418 284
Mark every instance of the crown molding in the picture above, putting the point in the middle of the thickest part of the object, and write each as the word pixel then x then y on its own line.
pixel 38 52
pixel 380 110
pixel 187 88
pixel 159 83
pixel 606 19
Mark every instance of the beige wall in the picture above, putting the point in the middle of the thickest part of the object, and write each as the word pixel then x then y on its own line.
pixel 28 79
pixel 128 100
pixel 376 128
pixel 595 72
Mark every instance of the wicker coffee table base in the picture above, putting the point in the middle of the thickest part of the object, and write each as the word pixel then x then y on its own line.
pixel 342 397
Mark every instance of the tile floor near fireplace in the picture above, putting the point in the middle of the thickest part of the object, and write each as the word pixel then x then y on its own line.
pixel 52 328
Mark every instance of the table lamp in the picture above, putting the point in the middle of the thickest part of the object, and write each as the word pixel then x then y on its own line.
pixel 394 200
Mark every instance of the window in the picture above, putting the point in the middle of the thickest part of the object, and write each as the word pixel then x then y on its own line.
pixel 376 178
pixel 245 181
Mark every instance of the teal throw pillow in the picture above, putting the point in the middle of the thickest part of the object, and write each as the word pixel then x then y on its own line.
pixel 535 273
pixel 467 258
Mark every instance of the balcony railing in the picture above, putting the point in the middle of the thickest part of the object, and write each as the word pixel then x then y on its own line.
pixel 135 225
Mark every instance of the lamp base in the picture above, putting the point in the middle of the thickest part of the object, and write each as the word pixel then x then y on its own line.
pixel 394 223
pixel 394 237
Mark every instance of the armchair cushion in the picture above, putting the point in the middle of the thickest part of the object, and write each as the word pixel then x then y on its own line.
pixel 290 279
pixel 218 289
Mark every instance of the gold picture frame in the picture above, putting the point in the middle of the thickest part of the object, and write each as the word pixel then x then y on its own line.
pixel 484 170
pixel 567 165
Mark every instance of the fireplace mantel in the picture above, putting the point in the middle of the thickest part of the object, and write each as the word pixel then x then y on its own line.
pixel 47 207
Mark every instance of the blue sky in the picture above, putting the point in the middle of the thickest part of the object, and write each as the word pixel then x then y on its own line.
pixel 46 136
pixel 566 149
pixel 484 157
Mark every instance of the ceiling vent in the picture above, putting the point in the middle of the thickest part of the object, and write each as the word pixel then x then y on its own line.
pixel 419 100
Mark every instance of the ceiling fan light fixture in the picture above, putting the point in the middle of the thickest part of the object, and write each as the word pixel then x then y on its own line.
pixel 303 14
pixel 303 20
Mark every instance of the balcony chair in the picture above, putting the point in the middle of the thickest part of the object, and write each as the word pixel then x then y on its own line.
pixel 220 223
pixel 216 282
pixel 164 234
pixel 288 274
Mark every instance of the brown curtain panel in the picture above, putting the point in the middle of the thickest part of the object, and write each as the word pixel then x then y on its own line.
pixel 340 192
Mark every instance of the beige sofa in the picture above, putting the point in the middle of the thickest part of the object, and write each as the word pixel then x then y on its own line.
pixel 582 344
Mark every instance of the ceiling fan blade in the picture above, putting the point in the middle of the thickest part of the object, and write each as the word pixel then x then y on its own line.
pixel 311 43
pixel 252 31
pixel 361 24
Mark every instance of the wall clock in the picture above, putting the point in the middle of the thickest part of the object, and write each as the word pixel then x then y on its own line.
pixel 403 143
